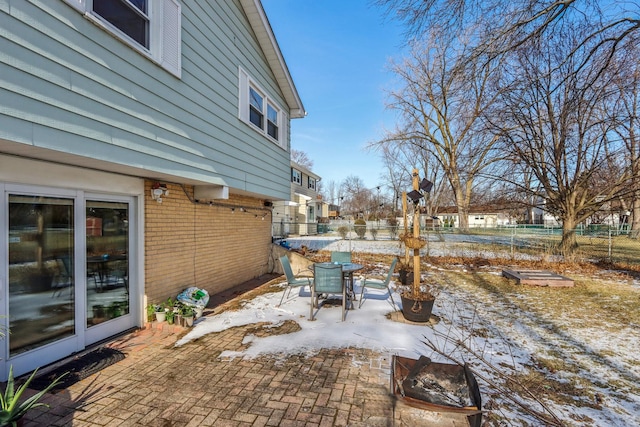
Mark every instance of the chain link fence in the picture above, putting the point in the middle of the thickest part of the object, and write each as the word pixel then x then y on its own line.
pixel 595 243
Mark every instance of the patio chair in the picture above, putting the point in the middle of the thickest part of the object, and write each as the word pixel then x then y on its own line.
pixel 64 277
pixel 338 256
pixel 379 284
pixel 328 279
pixel 292 280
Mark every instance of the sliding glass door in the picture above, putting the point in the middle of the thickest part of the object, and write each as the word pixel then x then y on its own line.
pixel 66 260
pixel 107 262
pixel 41 280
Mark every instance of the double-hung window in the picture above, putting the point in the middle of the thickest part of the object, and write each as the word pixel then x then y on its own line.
pixel 272 121
pixel 256 108
pixel 260 111
pixel 152 27
pixel 129 16
pixel 296 176
pixel 312 183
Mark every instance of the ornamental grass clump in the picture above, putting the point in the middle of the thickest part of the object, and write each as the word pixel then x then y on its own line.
pixel 11 409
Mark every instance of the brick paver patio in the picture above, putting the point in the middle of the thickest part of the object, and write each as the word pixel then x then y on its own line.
pixel 161 385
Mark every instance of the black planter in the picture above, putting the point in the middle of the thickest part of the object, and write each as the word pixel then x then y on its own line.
pixel 416 311
pixel 406 277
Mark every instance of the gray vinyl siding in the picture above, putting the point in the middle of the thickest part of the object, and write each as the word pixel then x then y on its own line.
pixel 68 85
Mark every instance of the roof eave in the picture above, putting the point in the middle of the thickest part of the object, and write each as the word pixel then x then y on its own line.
pixel 261 26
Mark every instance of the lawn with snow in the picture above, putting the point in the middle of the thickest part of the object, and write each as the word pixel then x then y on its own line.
pixel 584 369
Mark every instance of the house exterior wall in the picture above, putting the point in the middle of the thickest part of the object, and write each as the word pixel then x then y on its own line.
pixel 82 97
pixel 109 123
pixel 81 92
pixel 209 246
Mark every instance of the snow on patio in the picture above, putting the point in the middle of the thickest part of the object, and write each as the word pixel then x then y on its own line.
pixel 604 374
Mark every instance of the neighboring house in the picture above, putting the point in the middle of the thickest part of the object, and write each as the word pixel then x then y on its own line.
pixel 299 214
pixel 479 216
pixel 142 144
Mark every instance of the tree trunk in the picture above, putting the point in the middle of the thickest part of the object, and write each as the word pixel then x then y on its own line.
pixel 569 243
pixel 635 219
pixel 463 215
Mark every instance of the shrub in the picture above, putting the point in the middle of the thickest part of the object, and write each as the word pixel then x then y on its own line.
pixel 374 233
pixel 392 222
pixel 343 230
pixel 360 227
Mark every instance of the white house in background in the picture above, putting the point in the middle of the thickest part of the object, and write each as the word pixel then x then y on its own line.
pixel 479 216
pixel 299 215
pixel 142 144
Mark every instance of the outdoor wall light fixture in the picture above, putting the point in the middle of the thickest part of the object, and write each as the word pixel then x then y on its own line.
pixel 158 191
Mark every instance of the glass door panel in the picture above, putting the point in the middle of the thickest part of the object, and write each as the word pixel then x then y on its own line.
pixel 107 227
pixel 41 282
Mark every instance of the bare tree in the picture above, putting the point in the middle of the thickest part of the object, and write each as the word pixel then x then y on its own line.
pixel 625 113
pixel 330 192
pixel 399 159
pixel 505 25
pixel 358 199
pixel 441 104
pixel 394 173
pixel 301 158
pixel 553 123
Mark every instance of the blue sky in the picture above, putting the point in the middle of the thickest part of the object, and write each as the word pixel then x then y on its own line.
pixel 338 54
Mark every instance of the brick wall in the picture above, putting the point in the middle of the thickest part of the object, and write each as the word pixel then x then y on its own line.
pixel 213 247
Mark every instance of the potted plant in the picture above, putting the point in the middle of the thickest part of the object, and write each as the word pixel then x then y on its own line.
pixel 169 316
pixel 187 315
pixel 417 301
pixel 151 310
pixel 169 304
pixel 177 311
pixel 11 409
pixel 160 313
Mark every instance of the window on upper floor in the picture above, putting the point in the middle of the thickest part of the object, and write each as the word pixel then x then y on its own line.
pixel 129 16
pixel 272 121
pixel 256 108
pixel 312 183
pixel 152 27
pixel 296 176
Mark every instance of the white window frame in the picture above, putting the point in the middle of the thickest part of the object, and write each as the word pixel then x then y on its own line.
pixel 165 31
pixel 245 85
pixel 311 183
pixel 296 176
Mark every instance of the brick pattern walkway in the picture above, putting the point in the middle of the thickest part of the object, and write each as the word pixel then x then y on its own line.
pixel 161 385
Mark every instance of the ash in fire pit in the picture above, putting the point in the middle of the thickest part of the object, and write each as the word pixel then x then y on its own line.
pixel 437 383
pixel 448 390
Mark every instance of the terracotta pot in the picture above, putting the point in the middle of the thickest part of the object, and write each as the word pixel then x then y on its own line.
pixel 416 310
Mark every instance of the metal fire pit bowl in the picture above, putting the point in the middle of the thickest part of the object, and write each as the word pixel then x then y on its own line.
pixel 447 389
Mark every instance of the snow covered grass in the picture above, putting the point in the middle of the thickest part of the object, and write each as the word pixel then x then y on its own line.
pixel 568 353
